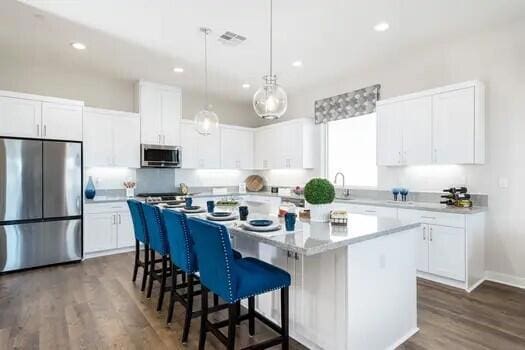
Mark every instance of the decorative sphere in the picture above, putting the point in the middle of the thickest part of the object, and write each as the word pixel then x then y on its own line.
pixel 270 101
pixel 206 122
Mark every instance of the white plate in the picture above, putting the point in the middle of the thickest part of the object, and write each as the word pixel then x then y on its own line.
pixel 221 218
pixel 271 228
pixel 192 211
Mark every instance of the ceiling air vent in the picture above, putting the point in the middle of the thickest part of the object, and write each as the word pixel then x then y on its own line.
pixel 230 38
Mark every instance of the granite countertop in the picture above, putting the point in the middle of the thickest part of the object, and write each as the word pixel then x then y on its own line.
pixel 412 205
pixel 317 238
pixel 428 206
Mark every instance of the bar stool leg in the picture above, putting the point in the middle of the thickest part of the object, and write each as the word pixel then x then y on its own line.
pixel 162 282
pixel 172 295
pixel 215 299
pixel 232 325
pixel 152 272
pixel 189 310
pixel 284 318
pixel 251 315
pixel 137 255
pixel 204 317
pixel 146 268
pixel 238 307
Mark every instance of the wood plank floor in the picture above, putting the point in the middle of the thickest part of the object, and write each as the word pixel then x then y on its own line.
pixel 94 305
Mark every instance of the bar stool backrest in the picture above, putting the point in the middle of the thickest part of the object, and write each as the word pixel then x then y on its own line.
pixel 215 257
pixel 139 222
pixel 156 229
pixel 180 241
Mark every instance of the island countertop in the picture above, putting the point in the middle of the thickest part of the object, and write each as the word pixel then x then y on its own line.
pixel 311 238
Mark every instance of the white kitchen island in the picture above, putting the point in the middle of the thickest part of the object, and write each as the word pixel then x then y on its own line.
pixel 353 287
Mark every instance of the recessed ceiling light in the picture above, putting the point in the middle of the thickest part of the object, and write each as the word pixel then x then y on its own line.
pixel 381 27
pixel 245 86
pixel 178 70
pixel 297 63
pixel 79 46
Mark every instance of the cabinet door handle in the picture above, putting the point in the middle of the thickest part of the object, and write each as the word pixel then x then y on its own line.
pixel 296 256
pixel 370 211
pixel 435 155
pixel 289 254
pixel 119 219
pixel 38 130
pixel 399 157
pixel 424 233
pixel 114 219
pixel 431 234
pixel 45 130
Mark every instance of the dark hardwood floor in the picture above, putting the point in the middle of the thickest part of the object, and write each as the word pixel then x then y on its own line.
pixel 94 305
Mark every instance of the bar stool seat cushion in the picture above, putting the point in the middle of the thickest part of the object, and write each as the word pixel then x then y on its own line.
pixel 256 277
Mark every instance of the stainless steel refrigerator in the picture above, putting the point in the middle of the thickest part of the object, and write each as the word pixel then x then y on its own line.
pixel 40 203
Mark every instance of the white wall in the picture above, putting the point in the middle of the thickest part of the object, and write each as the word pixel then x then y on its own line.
pixel 102 91
pixel 497 58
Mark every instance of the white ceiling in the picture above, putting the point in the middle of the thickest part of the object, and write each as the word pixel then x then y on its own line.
pixel 145 39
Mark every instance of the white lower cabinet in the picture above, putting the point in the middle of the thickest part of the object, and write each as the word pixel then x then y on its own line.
pixel 446 252
pixel 107 226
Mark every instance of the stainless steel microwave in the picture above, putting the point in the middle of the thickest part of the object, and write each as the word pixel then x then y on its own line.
pixel 158 156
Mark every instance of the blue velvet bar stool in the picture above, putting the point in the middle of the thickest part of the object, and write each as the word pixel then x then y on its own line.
pixel 234 280
pixel 158 243
pixel 183 257
pixel 141 236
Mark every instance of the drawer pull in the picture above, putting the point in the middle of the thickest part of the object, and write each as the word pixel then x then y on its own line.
pixel 370 211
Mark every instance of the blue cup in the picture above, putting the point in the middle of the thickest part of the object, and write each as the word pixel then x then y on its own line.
pixel 243 212
pixel 188 201
pixel 211 206
pixel 289 221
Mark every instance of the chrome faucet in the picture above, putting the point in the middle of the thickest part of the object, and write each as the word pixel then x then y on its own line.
pixel 346 191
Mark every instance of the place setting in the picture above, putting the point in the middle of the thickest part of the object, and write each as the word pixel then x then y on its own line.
pixel 189 208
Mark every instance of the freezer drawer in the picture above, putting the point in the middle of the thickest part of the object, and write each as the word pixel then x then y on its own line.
pixel 62 175
pixel 41 243
pixel 20 179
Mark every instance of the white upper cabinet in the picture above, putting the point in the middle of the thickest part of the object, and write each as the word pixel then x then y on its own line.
pixel 236 147
pixel 25 115
pixel 440 126
pixel 160 113
pixel 285 145
pixel 389 135
pixel 20 117
pixel 61 121
pixel 199 151
pixel 454 127
pixel 111 138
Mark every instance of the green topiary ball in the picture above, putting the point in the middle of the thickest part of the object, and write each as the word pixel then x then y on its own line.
pixel 319 191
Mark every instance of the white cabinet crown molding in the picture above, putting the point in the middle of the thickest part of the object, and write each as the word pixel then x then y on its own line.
pixel 26 96
pixel 434 91
pixel 110 112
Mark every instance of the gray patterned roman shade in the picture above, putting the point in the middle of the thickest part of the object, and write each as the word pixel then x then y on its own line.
pixel 348 105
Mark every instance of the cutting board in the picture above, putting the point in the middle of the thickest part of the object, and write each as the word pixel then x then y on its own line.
pixel 254 183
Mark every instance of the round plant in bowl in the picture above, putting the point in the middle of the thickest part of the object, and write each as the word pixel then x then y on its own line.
pixel 319 193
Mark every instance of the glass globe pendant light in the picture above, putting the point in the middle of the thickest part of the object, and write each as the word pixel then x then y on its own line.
pixel 206 120
pixel 270 101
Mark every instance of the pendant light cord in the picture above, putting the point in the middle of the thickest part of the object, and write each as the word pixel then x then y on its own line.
pixel 206 68
pixel 271 39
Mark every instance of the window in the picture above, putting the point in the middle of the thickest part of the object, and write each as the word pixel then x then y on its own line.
pixel 351 150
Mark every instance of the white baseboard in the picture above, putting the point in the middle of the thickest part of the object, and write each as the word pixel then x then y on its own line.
pixel 108 252
pixel 510 280
pixel 404 338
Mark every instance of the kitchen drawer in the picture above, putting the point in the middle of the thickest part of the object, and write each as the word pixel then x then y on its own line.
pixel 93 208
pixel 432 217
pixel 369 210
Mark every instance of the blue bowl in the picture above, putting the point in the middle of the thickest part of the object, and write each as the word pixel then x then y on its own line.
pixel 193 207
pixel 260 223
pixel 221 214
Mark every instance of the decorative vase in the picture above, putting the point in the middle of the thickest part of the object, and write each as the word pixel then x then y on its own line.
pixel 320 212
pixel 90 191
pixel 130 192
